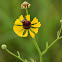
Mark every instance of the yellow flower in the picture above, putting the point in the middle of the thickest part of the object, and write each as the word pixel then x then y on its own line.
pixel 23 25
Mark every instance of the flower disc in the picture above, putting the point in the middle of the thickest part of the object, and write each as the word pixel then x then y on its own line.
pixel 26 24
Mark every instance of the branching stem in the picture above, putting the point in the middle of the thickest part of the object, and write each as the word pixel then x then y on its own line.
pixel 50 45
pixel 14 55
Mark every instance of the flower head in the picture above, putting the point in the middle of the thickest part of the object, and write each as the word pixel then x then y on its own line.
pixel 3 46
pixel 25 5
pixel 23 25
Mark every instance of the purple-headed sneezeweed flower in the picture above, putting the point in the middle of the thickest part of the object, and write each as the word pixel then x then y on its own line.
pixel 23 25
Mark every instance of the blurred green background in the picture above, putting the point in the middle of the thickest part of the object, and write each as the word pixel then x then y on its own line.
pixel 49 13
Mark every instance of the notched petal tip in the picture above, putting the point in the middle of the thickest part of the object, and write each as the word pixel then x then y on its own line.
pixel 35 20
pixel 17 22
pixel 21 18
pixel 36 25
pixel 28 17
pixel 35 30
pixel 17 28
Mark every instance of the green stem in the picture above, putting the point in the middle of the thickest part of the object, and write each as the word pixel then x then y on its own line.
pixel 38 49
pixel 41 59
pixel 50 45
pixel 26 11
pixel 14 55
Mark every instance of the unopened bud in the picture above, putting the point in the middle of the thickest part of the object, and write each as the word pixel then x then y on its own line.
pixel 25 5
pixel 3 46
pixel 61 21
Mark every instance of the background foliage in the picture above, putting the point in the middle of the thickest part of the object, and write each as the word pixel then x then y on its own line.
pixel 49 13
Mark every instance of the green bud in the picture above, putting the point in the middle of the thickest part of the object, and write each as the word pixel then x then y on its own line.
pixel 61 21
pixel 3 46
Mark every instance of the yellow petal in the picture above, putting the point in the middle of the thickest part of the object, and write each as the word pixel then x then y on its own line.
pixel 35 30
pixel 21 18
pixel 17 28
pixel 32 34
pixel 18 22
pixel 26 34
pixel 35 20
pixel 36 25
pixel 28 17
pixel 20 33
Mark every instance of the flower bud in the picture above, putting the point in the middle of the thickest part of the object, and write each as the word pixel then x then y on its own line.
pixel 25 5
pixel 3 46
pixel 61 21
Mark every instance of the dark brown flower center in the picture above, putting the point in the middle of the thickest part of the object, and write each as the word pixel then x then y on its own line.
pixel 26 24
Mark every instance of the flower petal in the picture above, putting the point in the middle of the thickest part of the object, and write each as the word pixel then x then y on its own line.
pixel 20 33
pixel 18 22
pixel 35 30
pixel 21 18
pixel 26 34
pixel 28 17
pixel 32 34
pixel 35 20
pixel 36 25
pixel 17 28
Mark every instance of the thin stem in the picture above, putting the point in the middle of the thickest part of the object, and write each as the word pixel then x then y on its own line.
pixel 41 59
pixel 14 55
pixel 38 49
pixel 36 45
pixel 50 45
pixel 26 11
